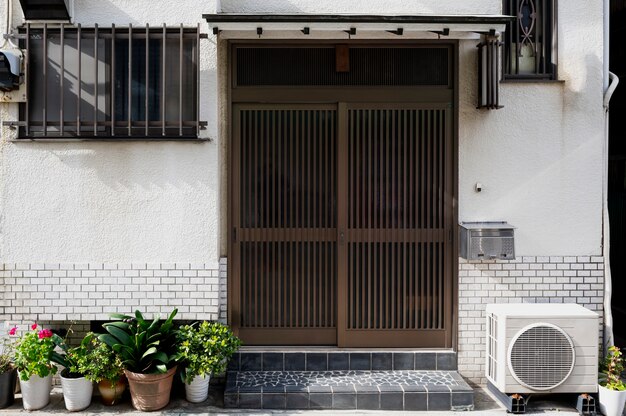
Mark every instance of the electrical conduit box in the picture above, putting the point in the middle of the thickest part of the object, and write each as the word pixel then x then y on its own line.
pixel 487 240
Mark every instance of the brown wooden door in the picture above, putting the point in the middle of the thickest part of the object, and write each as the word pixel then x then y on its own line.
pixel 342 219
pixel 285 224
pixel 395 223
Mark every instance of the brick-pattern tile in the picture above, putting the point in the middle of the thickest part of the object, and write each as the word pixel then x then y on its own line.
pixel 532 279
pixel 91 291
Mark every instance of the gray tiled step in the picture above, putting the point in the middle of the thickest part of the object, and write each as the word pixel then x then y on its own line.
pixel 346 389
pixel 342 360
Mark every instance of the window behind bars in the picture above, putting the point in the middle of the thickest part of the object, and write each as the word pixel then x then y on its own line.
pixel 111 82
pixel 531 39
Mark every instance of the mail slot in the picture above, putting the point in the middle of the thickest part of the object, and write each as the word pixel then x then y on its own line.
pixel 487 240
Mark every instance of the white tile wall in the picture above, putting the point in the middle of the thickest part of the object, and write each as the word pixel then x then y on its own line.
pixel 91 291
pixel 561 279
pixel 83 292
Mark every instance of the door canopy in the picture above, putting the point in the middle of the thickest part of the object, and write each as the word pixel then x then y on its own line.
pixel 346 26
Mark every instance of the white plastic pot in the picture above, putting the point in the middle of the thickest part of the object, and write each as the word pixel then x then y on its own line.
pixel 76 393
pixel 36 392
pixel 611 401
pixel 198 390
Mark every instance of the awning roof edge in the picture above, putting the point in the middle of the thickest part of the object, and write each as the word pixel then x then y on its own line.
pixel 355 18
pixel 283 23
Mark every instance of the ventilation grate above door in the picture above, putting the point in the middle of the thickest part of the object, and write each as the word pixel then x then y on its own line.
pixel 315 66
pixel 541 356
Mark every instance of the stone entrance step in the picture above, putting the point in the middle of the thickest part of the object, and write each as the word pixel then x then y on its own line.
pixel 267 359
pixel 427 390
pixel 332 378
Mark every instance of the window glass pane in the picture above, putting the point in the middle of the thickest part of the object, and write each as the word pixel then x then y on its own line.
pixel 69 72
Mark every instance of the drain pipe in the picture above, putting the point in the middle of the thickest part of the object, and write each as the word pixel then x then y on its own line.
pixel 610 81
pixel 606 233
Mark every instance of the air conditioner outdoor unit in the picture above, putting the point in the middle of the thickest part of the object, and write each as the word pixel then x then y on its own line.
pixel 542 348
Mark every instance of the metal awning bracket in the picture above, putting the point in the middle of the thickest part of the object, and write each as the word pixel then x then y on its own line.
pixel 444 32
pixel 399 31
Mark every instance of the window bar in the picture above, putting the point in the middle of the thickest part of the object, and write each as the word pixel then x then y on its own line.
pixel 130 76
pixel 61 119
pixel 80 85
pixel 197 86
pixel 543 37
pixel 113 80
pixel 163 76
pixel 540 16
pixel 509 37
pixel 26 107
pixel 147 88
pixel 554 40
pixel 45 78
pixel 180 83
pixel 517 39
pixel 95 83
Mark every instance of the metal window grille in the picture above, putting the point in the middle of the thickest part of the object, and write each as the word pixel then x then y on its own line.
pixel 114 82
pixel 531 39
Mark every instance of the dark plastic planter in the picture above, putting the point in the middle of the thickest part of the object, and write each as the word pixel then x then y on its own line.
pixel 7 388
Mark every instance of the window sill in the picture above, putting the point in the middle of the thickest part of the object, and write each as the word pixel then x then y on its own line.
pixel 110 139
pixel 531 81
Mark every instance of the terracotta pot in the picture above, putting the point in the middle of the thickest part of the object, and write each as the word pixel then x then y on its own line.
pixel 76 393
pixel 198 390
pixel 111 393
pixel 7 388
pixel 150 391
pixel 36 392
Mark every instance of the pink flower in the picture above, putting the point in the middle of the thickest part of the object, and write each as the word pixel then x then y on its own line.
pixel 45 333
pixel 33 326
pixel 13 331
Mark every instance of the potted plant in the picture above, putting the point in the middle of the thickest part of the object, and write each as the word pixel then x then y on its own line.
pixel 8 373
pixel 203 349
pixel 77 389
pixel 33 354
pixel 612 390
pixel 147 352
pixel 100 364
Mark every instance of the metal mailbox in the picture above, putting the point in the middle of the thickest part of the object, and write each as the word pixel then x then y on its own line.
pixel 487 240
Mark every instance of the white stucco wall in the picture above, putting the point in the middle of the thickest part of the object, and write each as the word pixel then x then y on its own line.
pixel 539 158
pixel 117 202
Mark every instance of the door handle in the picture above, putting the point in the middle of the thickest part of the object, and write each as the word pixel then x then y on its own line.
pixel 342 237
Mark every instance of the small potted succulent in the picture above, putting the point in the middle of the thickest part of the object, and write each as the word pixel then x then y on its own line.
pixel 146 349
pixel 102 365
pixel 612 390
pixel 77 389
pixel 8 373
pixel 203 349
pixel 33 354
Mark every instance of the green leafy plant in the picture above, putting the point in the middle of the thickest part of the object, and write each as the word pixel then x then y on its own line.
pixel 78 361
pixel 143 346
pixel 33 353
pixel 612 368
pixel 99 362
pixel 7 351
pixel 205 349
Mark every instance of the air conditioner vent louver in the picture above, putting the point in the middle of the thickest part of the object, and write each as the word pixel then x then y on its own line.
pixel 541 356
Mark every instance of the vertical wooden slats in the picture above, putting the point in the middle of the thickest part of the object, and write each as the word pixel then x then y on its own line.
pixel 287 192
pixel 397 179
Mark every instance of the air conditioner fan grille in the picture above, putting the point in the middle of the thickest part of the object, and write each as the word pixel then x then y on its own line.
pixel 541 357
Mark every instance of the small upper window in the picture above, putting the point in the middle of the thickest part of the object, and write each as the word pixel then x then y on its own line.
pixel 530 40
pixel 111 83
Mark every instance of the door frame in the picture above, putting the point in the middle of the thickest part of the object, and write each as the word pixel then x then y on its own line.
pixel 293 95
